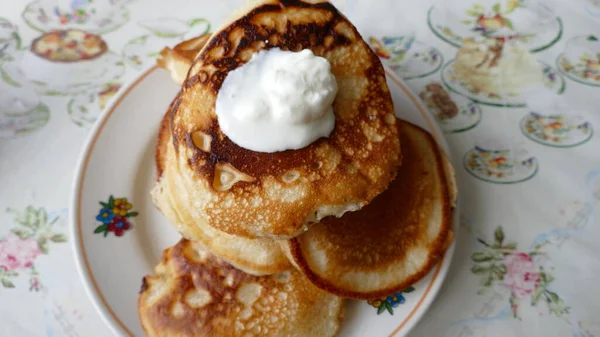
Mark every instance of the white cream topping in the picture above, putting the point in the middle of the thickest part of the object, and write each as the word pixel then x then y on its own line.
pixel 279 100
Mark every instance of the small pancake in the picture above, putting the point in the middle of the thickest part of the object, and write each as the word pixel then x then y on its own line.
pixel 279 195
pixel 194 293
pixel 395 240
pixel 254 256
pixel 179 59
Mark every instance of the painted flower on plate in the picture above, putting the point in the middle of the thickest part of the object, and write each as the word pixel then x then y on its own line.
pixel 105 215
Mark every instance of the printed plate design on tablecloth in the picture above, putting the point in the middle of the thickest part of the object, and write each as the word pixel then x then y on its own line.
pixel 531 22
pixel 500 166
pixel 141 51
pixel 408 57
pixel 21 110
pixel 556 130
pixel 114 216
pixel 85 108
pixel 453 112
pixel 31 237
pixel 10 41
pixel 500 263
pixel 580 61
pixel 89 15
pixel 390 302
pixel 551 80
pixel 70 61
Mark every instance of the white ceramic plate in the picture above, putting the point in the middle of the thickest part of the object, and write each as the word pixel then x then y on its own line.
pixel 118 161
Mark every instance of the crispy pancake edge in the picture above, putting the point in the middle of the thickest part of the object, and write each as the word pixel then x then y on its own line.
pixel 442 242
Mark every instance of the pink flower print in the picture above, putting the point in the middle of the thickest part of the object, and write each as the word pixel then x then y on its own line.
pixel 16 253
pixel 522 275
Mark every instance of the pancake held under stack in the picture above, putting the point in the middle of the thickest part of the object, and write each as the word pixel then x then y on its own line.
pixel 348 202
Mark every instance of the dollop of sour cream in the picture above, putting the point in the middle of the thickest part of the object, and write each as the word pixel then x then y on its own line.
pixel 279 100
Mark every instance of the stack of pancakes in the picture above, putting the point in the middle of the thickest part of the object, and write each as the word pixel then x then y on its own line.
pixel 273 242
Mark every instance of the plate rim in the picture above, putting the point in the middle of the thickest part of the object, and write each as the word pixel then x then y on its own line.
pixel 104 309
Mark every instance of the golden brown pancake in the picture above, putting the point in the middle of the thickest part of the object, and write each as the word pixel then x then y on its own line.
pixel 259 256
pixel 179 59
pixel 278 195
pixel 391 243
pixel 196 294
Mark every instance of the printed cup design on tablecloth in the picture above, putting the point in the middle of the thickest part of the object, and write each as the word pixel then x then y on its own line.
pixel 580 61
pixel 70 61
pixel 498 73
pixel 142 51
pixel 494 160
pixel 10 41
pixel 84 109
pixel 408 57
pixel 556 130
pixel 114 216
pixel 500 264
pixel 21 110
pixel 593 7
pixel 390 302
pixel 532 22
pixel 31 237
pixel 95 16
pixel 453 112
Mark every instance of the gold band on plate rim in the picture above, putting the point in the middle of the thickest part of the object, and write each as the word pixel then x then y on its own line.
pixel 84 165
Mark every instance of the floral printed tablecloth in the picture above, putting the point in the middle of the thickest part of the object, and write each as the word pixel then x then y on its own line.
pixel 528 166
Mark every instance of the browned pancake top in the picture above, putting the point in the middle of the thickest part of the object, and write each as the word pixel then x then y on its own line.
pixel 354 164
pixel 197 294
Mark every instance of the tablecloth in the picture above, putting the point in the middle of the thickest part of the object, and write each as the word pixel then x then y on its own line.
pixel 528 167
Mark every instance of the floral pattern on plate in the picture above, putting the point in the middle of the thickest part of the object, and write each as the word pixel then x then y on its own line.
pixel 84 109
pixel 96 17
pixel 501 264
pixel 114 216
pixel 533 24
pixel 408 57
pixel 28 240
pixel 503 166
pixel 453 113
pixel 581 60
pixel 556 130
pixel 390 302
pixel 552 80
pixel 142 51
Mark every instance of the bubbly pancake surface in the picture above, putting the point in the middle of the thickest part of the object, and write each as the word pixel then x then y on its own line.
pixel 194 293
pixel 278 195
pixel 255 256
pixel 395 240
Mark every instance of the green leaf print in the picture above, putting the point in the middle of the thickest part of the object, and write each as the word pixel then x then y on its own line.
pixel 537 295
pixel 59 238
pixel 22 234
pixel 43 245
pixel 508 23
pixel 480 270
pixel 466 22
pixel 482 256
pixel 499 235
pixel 7 284
pixel 510 245
pixel 487 281
pixel 496 8
pixel 381 309
pixel 388 306
pixel 131 214
pixel 408 290
pixel 111 202
pixel 101 229
pixel 103 204
pixel 8 80
pixel 473 13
